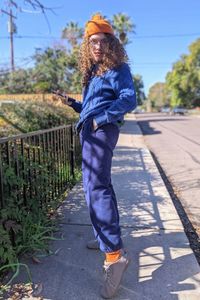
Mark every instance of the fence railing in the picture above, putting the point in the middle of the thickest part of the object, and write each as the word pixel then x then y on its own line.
pixel 38 165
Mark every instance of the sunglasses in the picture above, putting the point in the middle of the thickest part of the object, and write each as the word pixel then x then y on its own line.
pixel 95 42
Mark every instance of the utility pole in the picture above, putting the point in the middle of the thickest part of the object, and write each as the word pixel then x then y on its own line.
pixel 11 42
pixel 11 29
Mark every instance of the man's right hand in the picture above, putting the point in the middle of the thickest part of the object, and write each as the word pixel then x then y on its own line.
pixel 58 95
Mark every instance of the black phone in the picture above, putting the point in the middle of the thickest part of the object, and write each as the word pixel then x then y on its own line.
pixel 59 94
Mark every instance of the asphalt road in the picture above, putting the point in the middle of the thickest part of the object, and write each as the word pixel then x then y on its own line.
pixel 175 141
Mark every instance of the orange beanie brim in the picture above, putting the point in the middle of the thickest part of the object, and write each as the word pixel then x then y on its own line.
pixel 96 25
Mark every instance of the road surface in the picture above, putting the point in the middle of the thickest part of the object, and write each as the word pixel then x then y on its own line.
pixel 175 141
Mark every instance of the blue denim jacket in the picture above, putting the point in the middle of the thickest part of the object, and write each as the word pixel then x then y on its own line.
pixel 107 98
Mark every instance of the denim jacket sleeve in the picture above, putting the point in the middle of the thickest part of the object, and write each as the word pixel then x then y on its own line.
pixel 123 87
pixel 76 105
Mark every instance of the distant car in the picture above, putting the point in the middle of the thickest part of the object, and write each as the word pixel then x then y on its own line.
pixel 138 110
pixel 179 110
pixel 166 110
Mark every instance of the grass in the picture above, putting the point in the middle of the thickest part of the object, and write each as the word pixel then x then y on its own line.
pixel 22 116
pixel 33 232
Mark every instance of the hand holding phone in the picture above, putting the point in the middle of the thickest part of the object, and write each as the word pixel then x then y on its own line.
pixel 63 97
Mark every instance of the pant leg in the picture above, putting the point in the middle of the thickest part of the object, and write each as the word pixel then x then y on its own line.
pixel 97 152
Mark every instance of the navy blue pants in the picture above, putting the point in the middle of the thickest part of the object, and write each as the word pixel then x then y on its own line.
pixel 97 152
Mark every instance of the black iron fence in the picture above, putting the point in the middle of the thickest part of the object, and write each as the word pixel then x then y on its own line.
pixel 38 165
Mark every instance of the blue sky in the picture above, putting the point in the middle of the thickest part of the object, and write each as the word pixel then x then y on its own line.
pixel 164 30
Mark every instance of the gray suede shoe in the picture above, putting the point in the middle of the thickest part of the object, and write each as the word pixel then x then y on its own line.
pixel 113 276
pixel 93 244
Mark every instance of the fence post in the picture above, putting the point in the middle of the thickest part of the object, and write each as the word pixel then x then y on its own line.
pixel 1 183
pixel 72 151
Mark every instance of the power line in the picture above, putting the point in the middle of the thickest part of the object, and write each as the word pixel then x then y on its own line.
pixel 29 37
pixel 134 37
pixel 20 65
pixel 167 35
pixel 135 63
pixel 151 63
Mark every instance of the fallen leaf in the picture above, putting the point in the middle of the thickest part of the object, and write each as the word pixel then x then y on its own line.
pixel 36 260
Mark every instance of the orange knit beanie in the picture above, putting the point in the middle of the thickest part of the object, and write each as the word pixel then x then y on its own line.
pixel 96 25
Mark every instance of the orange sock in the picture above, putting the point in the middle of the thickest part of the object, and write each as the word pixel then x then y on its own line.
pixel 113 256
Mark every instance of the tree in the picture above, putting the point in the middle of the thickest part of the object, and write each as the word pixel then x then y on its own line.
pixel 122 25
pixel 51 67
pixel 194 66
pixel 158 95
pixel 35 4
pixel 16 82
pixel 72 33
pixel 139 88
pixel 57 67
pixel 4 78
pixel 177 82
pixel 183 81
pixel 74 75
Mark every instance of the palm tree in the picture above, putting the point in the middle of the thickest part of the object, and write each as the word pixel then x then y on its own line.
pixel 72 32
pixel 122 25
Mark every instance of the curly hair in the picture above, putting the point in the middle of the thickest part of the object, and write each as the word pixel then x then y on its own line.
pixel 114 56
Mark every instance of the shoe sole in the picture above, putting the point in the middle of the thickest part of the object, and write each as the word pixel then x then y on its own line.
pixel 92 248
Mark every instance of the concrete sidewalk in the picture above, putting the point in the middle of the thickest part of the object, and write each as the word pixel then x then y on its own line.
pixel 163 264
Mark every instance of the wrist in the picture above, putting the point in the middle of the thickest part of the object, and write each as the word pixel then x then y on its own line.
pixel 67 101
pixel 70 101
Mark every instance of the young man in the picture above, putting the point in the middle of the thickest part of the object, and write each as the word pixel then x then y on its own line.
pixel 108 94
